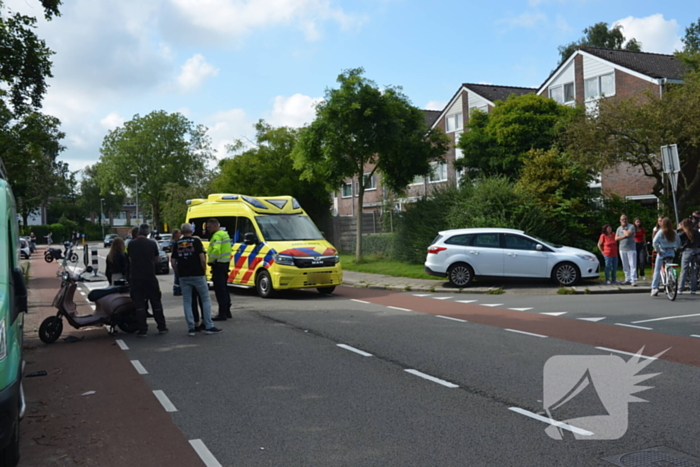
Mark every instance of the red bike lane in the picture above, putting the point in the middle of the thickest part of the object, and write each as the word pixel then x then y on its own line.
pixel 92 407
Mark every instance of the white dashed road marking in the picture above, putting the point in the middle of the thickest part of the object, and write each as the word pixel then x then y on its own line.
pixel 421 294
pixel 633 326
pixel 593 320
pixel 665 317
pixel 466 301
pixel 139 368
pixel 453 319
pixel 491 304
pixel 526 333
pixel 358 301
pixel 556 313
pixel 353 349
pixel 204 453
pixel 397 308
pixel 122 345
pixel 549 421
pixel 694 335
pixel 165 402
pixel 441 298
pixel 432 378
pixel 520 309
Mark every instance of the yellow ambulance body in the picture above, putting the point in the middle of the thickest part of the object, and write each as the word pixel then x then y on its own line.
pixel 274 243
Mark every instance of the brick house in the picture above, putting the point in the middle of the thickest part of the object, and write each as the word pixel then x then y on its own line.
pixel 588 75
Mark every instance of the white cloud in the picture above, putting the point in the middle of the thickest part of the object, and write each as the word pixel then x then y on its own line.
pixel 112 121
pixel 227 126
pixel 194 72
pixel 294 111
pixel 527 19
pixel 435 105
pixel 232 19
pixel 654 32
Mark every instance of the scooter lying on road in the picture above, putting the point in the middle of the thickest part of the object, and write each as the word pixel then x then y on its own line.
pixel 56 253
pixel 113 307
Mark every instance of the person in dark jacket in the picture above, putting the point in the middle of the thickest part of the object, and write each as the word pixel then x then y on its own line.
pixel 690 248
pixel 117 262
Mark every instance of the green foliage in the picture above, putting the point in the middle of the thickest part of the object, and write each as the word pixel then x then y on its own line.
pixel 92 195
pixel 159 148
pixel 267 170
pixel 26 268
pixel 378 264
pixel 691 40
pixel 59 232
pixel 498 291
pixel 93 231
pixel 378 244
pixel 599 35
pixel 497 143
pixel 360 125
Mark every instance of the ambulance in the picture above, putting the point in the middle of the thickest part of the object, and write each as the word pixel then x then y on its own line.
pixel 274 244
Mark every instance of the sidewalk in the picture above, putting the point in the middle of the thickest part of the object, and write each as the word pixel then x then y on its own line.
pixel 121 423
pixel 485 286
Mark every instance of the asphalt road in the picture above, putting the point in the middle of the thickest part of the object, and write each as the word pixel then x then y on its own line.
pixel 286 384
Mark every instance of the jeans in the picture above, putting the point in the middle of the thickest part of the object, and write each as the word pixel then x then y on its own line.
pixel 219 276
pixel 629 264
pixel 686 270
pixel 141 291
pixel 200 284
pixel 176 285
pixel 610 268
pixel 657 269
pixel 641 258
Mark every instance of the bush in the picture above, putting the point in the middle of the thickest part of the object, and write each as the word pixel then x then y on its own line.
pixel 93 231
pixel 376 244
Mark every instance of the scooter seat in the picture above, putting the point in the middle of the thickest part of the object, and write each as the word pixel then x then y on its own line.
pixel 97 294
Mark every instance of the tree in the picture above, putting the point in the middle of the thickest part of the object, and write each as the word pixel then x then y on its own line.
pixel 600 36
pixel 498 142
pixel 158 148
pixel 92 194
pixel 271 159
pixel 691 41
pixel 175 203
pixel 360 127
pixel 633 130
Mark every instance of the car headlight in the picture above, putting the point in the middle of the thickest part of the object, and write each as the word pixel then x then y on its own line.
pixel 284 260
pixel 336 259
pixel 588 257
pixel 3 340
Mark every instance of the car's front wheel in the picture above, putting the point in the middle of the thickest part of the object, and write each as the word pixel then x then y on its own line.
pixel 460 275
pixel 566 274
pixel 263 284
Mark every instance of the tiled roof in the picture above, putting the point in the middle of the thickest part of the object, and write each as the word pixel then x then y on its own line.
pixel 652 65
pixel 498 93
pixel 431 116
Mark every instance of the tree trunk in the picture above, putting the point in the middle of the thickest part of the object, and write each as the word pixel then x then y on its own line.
pixel 358 227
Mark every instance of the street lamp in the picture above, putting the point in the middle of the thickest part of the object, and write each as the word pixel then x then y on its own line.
pixel 137 196
pixel 102 216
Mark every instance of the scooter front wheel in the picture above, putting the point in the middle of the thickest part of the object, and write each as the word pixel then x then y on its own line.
pixel 48 257
pixel 50 329
pixel 74 258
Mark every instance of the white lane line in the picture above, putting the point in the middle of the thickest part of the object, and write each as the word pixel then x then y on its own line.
pixel 432 378
pixel 633 326
pixel 694 335
pixel 204 453
pixel 139 368
pixel 397 308
pixel 555 313
pixel 358 301
pixel 593 320
pixel 491 304
pixel 122 345
pixel 466 301
pixel 441 298
pixel 165 402
pixel 549 421
pixel 453 319
pixel 526 333
pixel 665 317
pixel 353 349
pixel 520 309
pixel 421 294
pixel 605 349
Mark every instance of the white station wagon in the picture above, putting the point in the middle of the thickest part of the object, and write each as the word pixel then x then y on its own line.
pixel 462 254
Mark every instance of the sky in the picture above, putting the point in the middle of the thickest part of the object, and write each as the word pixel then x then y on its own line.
pixel 228 63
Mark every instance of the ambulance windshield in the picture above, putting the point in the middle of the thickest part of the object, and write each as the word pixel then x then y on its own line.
pixel 287 227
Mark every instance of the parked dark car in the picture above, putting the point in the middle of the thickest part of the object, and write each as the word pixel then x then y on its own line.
pixel 109 238
pixel 163 264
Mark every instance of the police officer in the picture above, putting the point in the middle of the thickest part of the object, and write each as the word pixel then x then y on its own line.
pixel 219 258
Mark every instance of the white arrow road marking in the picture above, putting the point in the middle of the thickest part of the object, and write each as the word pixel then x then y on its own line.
pixel 694 335
pixel 491 304
pixel 421 294
pixel 625 353
pixel 556 313
pixel 441 298
pixel 520 309
pixel 594 320
pixel 466 301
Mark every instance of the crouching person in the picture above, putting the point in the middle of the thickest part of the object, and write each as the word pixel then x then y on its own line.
pixel 189 264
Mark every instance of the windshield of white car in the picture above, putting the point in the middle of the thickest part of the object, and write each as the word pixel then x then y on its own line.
pixel 553 245
pixel 287 228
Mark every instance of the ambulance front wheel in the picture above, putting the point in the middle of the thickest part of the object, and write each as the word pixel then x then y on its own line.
pixel 263 284
pixel 326 290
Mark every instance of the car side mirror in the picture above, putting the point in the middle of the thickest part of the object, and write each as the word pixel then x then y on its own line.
pixel 250 239
pixel 20 292
pixel 538 247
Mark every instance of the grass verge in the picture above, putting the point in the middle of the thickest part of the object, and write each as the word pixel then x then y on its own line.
pixel 377 264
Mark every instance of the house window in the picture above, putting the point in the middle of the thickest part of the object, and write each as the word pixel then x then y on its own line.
pixel 438 172
pixel 418 180
pixel 557 93
pixel 600 86
pixel 347 190
pixel 370 182
pixel 569 95
pixel 563 93
pixel 454 122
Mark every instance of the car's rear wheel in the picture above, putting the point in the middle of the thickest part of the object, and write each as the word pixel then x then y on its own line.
pixel 566 274
pixel 460 275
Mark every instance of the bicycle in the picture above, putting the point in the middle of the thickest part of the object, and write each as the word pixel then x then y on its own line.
pixel 669 278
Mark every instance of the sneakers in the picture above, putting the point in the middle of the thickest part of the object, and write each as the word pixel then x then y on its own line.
pixel 141 334
pixel 634 284
pixel 644 278
pixel 163 331
pixel 654 292
pixel 190 332
pixel 608 282
pixel 219 317
pixel 212 330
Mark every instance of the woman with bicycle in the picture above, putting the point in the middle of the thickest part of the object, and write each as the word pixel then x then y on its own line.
pixel 665 243
pixel 690 247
